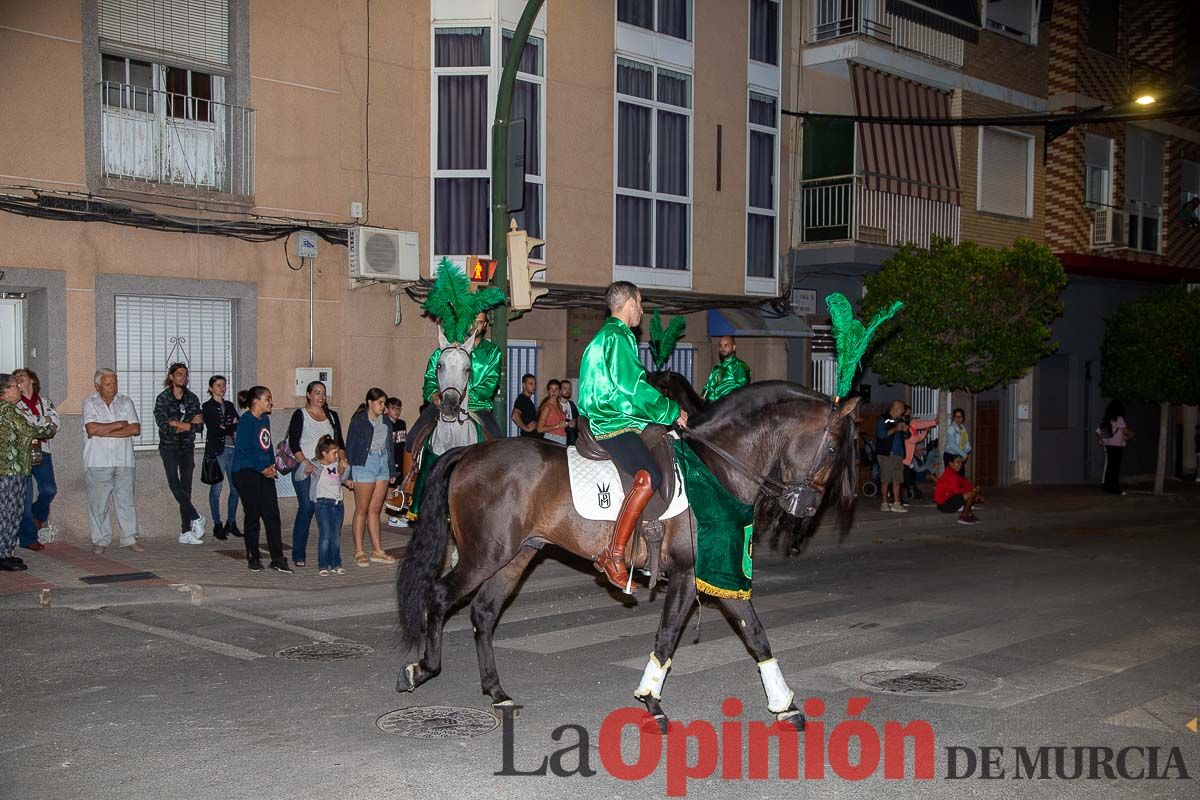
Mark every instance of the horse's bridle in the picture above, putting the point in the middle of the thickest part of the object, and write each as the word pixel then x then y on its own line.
pixel 797 498
pixel 461 394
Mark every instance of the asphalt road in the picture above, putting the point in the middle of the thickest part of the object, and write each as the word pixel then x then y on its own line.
pixel 1080 631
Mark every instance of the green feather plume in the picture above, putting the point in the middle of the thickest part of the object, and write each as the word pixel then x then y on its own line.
pixel 852 337
pixel 452 303
pixel 663 342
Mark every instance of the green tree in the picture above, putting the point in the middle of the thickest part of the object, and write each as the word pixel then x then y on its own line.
pixel 973 316
pixel 1151 354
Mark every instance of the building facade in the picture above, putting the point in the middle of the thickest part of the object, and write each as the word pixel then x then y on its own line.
pixel 197 139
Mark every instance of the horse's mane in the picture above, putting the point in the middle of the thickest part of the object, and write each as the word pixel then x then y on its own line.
pixel 678 388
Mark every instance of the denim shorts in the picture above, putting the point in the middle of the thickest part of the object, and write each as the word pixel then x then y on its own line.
pixel 376 468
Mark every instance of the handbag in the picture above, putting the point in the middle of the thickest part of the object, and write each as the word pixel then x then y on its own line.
pixel 285 460
pixel 210 471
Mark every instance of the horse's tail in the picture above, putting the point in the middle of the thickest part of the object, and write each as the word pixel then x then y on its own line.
pixel 426 551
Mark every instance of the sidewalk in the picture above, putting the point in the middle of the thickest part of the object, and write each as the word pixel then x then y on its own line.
pixel 168 571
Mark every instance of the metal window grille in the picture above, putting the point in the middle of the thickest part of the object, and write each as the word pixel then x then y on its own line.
pixel 522 359
pixel 153 332
pixel 925 402
pixel 824 374
pixel 683 360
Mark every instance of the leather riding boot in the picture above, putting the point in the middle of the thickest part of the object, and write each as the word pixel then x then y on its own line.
pixel 612 561
pixel 406 464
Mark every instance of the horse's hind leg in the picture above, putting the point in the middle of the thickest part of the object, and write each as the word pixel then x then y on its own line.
pixel 681 593
pixel 485 611
pixel 445 594
pixel 780 699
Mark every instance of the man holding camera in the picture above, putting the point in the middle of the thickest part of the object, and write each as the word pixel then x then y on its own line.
pixel 890 434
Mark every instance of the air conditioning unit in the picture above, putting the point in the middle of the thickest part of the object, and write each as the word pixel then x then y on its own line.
pixel 379 254
pixel 1110 228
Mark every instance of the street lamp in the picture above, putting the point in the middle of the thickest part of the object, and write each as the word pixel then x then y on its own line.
pixel 1145 100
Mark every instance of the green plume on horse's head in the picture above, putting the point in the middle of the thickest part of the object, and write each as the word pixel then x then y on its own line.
pixel 452 303
pixel 852 337
pixel 663 342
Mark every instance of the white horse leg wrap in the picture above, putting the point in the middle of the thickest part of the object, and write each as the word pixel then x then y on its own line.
pixel 779 696
pixel 652 679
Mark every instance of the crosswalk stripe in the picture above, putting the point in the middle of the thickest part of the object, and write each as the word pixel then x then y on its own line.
pixel 316 636
pixel 729 649
pixel 601 632
pixel 1076 670
pixel 1169 712
pixel 928 655
pixel 211 645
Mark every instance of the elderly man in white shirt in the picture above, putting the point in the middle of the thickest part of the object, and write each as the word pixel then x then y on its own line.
pixel 110 422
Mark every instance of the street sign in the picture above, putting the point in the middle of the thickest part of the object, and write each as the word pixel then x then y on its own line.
pixel 480 270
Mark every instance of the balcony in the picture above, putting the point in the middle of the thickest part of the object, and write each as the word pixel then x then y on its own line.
pixel 157 137
pixel 835 19
pixel 845 208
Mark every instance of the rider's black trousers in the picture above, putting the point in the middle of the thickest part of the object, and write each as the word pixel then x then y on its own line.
pixel 631 454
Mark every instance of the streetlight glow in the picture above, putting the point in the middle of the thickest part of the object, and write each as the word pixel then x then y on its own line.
pixel 1145 100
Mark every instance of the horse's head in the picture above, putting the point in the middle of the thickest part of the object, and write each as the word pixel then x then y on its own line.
pixel 453 376
pixel 678 388
pixel 817 455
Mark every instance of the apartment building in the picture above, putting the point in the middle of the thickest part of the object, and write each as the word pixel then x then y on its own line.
pixel 865 189
pixel 1115 212
pixel 198 138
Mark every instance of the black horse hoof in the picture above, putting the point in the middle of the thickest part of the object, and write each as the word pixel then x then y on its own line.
pixel 406 680
pixel 793 717
pixel 506 706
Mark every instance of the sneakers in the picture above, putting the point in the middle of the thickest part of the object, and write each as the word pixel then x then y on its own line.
pixel 197 530
pixel 134 548
pixel 281 566
pixel 187 538
pixel 219 532
pixel 323 573
pixel 885 506
pixel 968 519
pixel 255 565
pixel 899 508
pixel 397 521
pixel 98 549
pixel 340 570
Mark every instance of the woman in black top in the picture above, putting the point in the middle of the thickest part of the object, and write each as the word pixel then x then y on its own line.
pixel 220 423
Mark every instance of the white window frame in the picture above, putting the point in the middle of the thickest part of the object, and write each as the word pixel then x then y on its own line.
pixel 755 284
pixel 489 71
pixel 1107 193
pixel 540 178
pixel 778 36
pixel 691 24
pixel 1028 173
pixel 144 397
pixel 655 276
pixel 1035 17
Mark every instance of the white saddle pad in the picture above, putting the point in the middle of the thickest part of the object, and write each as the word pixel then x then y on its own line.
pixel 597 491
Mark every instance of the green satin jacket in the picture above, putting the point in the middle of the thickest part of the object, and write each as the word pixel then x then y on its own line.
pixel 727 375
pixel 613 392
pixel 485 376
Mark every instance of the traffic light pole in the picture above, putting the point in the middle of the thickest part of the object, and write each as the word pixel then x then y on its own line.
pixel 508 79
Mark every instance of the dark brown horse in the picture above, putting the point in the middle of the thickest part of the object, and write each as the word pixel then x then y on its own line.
pixel 504 500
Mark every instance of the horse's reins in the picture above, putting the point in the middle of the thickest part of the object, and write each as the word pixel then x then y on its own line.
pixel 788 493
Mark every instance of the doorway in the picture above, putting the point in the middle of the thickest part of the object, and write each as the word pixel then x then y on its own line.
pixel 12 333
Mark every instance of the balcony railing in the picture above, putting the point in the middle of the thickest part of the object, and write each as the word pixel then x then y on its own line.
pixel 158 137
pixel 844 208
pixel 833 19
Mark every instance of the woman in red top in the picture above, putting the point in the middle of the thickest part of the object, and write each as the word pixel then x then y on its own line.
pixel 953 492
pixel 551 420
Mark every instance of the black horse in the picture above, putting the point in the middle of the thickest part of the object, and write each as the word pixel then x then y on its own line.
pixel 504 500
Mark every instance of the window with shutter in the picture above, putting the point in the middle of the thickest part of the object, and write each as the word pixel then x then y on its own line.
pixel 1005 172
pixel 192 31
pixel 152 332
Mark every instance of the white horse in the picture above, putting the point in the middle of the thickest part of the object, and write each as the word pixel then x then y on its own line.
pixel 456 425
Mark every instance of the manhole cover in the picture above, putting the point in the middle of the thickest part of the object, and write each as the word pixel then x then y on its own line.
pixel 325 651
pixel 901 682
pixel 437 722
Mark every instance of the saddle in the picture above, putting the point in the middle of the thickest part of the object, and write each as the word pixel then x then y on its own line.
pixel 662 450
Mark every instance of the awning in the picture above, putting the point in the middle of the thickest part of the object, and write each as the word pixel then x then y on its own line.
pixel 746 322
pixel 958 18
pixel 910 160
